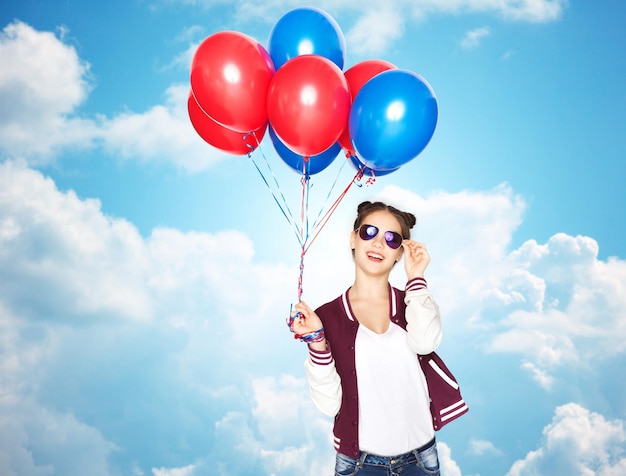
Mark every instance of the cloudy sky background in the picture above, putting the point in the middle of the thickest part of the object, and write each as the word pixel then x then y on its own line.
pixel 145 277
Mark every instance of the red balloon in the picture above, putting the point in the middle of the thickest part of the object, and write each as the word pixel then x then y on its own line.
pixel 220 137
pixel 230 74
pixel 308 104
pixel 357 76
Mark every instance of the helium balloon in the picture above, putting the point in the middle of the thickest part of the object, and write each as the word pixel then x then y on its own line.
pixel 226 140
pixel 230 74
pixel 357 76
pixel 304 165
pixel 359 166
pixel 392 119
pixel 307 104
pixel 306 30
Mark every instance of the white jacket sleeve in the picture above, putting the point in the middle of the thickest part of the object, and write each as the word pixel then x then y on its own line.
pixel 422 317
pixel 324 381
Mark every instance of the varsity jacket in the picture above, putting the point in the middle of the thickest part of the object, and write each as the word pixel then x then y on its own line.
pixel 332 373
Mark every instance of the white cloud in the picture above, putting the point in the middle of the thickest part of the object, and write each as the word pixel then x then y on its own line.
pixel 35 441
pixel 86 266
pixel 577 441
pixel 184 471
pixel 375 30
pixel 532 11
pixel 508 55
pixel 447 465
pixel 473 37
pixel 90 308
pixel 540 376
pixel 163 133
pixel 482 447
pixel 278 404
pixel 42 82
pixel 286 435
pixel 467 234
pixel 61 258
pixel 40 117
pixel 26 53
pixel 574 305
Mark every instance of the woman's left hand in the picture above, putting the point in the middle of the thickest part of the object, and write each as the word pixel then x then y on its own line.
pixel 416 259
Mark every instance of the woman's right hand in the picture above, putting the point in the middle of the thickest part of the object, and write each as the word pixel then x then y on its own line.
pixel 305 319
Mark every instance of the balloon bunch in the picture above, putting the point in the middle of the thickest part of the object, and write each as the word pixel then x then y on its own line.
pixel 380 115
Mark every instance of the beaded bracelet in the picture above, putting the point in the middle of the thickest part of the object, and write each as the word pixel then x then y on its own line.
pixel 310 337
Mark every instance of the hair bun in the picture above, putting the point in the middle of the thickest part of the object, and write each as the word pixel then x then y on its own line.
pixel 410 219
pixel 363 206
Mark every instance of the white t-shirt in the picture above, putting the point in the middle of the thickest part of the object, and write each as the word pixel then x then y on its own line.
pixel 394 411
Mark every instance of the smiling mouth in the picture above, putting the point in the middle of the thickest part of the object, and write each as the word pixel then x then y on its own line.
pixel 375 256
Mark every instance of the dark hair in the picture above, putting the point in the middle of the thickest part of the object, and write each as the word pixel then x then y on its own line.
pixel 407 220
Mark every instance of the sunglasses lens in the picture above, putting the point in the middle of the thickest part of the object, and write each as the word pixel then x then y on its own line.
pixel 367 232
pixel 393 239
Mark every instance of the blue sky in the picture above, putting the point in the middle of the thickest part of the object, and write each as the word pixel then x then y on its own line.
pixel 145 276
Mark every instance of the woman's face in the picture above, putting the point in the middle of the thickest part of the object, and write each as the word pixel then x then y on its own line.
pixel 375 254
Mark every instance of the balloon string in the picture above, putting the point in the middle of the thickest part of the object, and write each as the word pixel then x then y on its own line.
pixel 321 220
pixel 330 191
pixel 277 191
pixel 302 231
pixel 320 224
pixel 301 276
pixel 304 210
pixel 304 217
pixel 329 212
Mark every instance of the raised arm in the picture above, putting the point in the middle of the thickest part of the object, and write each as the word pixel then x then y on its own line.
pixel 422 313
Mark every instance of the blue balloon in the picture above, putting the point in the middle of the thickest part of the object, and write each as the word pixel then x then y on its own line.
pixel 303 31
pixel 314 164
pixel 360 166
pixel 392 119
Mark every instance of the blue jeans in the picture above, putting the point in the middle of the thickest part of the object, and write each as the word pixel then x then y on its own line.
pixel 419 462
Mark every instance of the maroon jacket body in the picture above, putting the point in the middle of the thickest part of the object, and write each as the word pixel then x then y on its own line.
pixel 341 330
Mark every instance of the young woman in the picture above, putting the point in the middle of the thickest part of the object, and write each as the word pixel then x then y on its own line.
pixel 362 367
